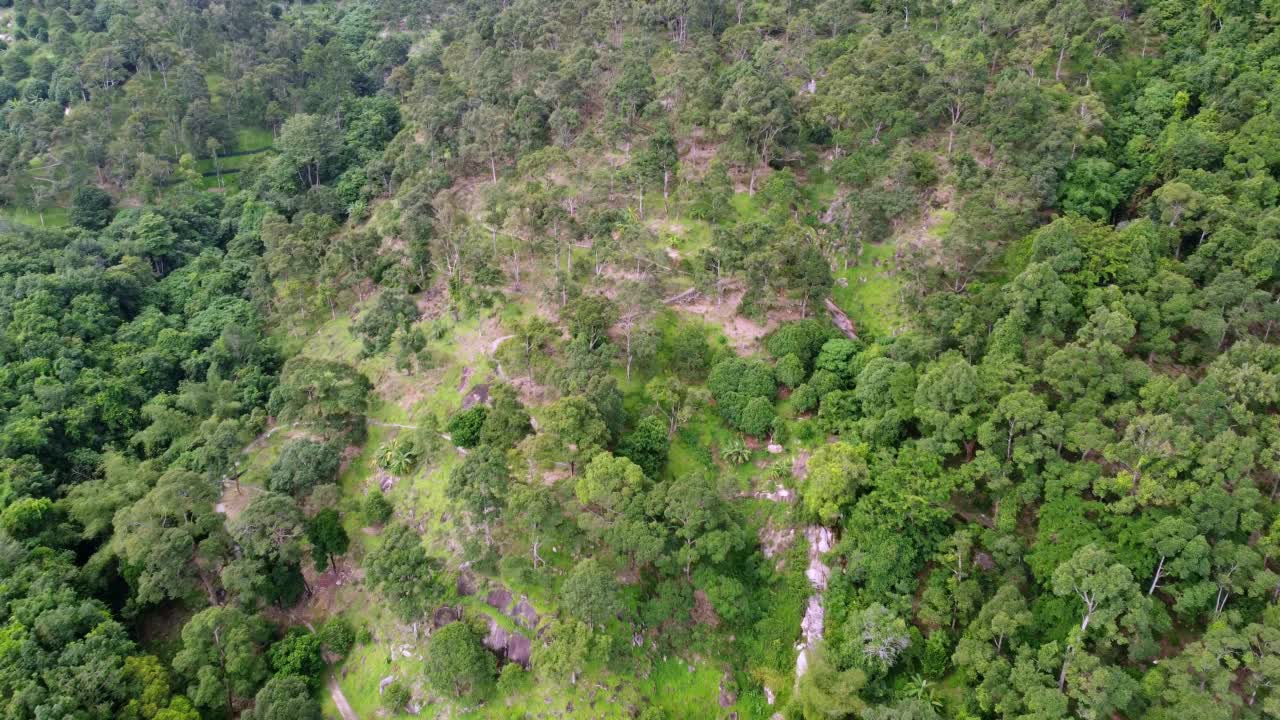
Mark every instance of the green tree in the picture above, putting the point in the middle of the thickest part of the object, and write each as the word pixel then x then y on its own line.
pixel 328 538
pixel 836 472
pixel 457 664
pixel 571 431
pixel 329 394
pixel 480 485
pixel 222 657
pixel 567 647
pixel 400 570
pixel 302 465
pixel 284 697
pixel 91 207
pixel 298 654
pixel 590 594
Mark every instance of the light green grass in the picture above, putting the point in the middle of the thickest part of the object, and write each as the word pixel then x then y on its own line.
pixel 53 217
pixel 871 297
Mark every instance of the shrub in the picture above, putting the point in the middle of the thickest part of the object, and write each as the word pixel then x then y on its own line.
pixel 377 509
pixel 735 451
pixel 338 636
pixel 647 446
pixel 803 339
pixel 805 398
pixel 458 664
pixel 757 417
pixel 302 465
pixel 790 370
pixel 91 208
pixel 465 427
pixel 396 697
pixel 837 357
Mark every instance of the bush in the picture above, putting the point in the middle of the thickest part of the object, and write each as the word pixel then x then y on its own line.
pixel 749 377
pixel 298 653
pixel 805 398
pixel 302 465
pixel 736 383
pixel 838 414
pixel 457 663
pixel 790 370
pixel 690 353
pixel 396 697
pixel 937 655
pixel 91 208
pixel 465 427
pixel 647 446
pixel 590 593
pixel 511 679
pixel 377 509
pixel 837 356
pixel 338 636
pixel 757 417
pixel 803 339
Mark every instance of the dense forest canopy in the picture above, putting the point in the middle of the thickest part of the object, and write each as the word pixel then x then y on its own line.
pixel 640 358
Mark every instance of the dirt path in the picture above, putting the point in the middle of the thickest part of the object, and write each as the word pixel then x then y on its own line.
pixel 340 700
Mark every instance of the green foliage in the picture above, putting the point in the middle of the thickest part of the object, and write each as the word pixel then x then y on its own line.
pixel 507 421
pixel 298 654
pixel 456 663
pixel 328 538
pixel 589 593
pixel 735 451
pixel 835 473
pixel 302 465
pixel 744 390
pixel 338 636
pixel 400 570
pixel 91 208
pixel 790 370
pixel 285 697
pixel 398 456
pixel 376 508
pixel 466 426
pixel 647 446
pixel 332 395
pixel 396 696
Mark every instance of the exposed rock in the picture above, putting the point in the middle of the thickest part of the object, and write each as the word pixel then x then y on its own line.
pixel 477 395
pixel 499 599
pixel 800 466
pixel 769 696
pixel 775 541
pixel 727 696
pixel 774 448
pixel 510 646
pixel 525 615
pixel 704 613
pixel 519 649
pixel 821 540
pixel 466 584
pixel 384 682
pixel 778 494
pixel 443 616
pixel 812 624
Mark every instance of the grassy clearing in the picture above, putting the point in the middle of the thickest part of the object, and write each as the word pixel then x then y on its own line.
pixel 53 217
pixel 871 296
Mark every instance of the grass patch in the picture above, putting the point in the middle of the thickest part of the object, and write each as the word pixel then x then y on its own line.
pixel 871 296
pixel 53 217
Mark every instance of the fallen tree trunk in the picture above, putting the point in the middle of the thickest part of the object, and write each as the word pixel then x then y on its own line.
pixel 682 297
pixel 841 320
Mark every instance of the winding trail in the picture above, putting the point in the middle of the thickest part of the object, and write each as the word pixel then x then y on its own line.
pixel 344 707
